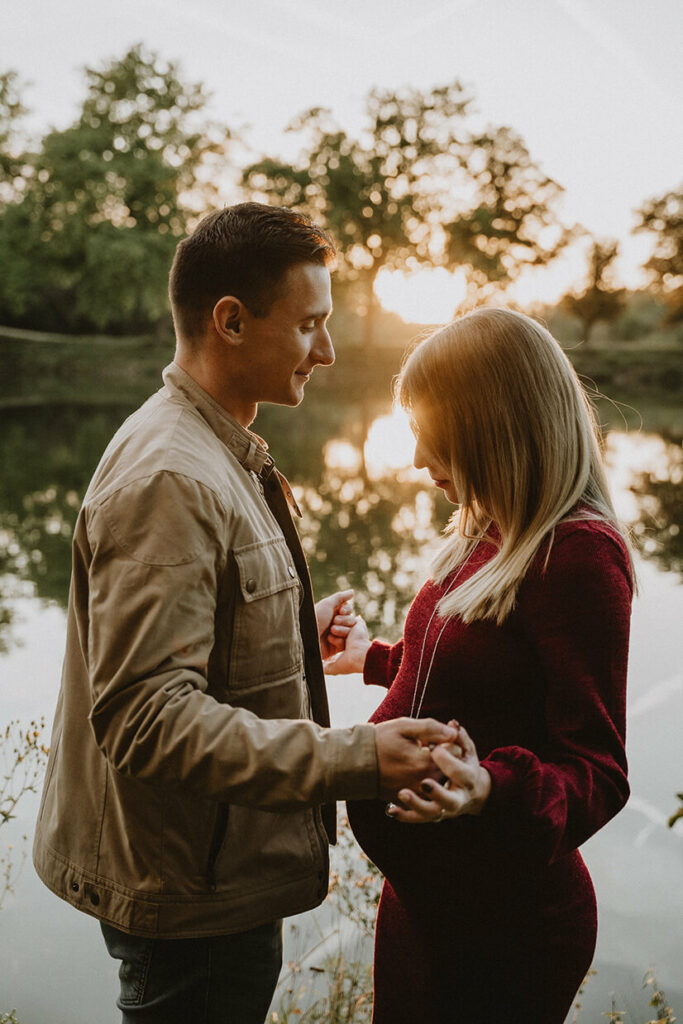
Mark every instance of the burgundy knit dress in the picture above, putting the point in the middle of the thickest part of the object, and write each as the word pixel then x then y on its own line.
pixel 494 917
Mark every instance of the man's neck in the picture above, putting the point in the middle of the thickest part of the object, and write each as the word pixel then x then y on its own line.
pixel 222 389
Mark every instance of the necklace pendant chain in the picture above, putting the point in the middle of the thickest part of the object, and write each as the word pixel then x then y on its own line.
pixel 417 702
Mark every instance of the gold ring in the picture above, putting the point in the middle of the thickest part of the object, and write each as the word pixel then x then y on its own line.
pixel 441 815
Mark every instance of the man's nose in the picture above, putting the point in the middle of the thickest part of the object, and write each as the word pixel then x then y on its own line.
pixel 323 351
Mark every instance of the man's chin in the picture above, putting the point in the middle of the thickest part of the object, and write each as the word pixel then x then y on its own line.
pixel 292 398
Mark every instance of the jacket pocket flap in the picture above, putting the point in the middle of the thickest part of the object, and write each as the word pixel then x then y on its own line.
pixel 265 567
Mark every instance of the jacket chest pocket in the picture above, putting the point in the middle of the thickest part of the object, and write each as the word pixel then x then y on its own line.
pixel 266 644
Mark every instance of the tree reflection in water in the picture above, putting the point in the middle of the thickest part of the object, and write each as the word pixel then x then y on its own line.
pixel 48 455
pixel 658 531
pixel 375 535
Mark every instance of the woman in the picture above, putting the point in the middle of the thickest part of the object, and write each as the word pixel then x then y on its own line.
pixel 520 638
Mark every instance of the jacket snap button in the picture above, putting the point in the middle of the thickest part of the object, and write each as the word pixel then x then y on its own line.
pixel 94 899
pixel 75 887
pixel 250 586
pixel 291 572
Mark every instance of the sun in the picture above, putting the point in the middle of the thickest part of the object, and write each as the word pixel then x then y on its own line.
pixel 390 446
pixel 424 296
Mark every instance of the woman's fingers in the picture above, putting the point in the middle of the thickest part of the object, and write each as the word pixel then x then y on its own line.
pixel 466 742
pixel 413 809
pixel 453 764
pixel 342 624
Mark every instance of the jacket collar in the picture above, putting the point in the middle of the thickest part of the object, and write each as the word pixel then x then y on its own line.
pixel 248 448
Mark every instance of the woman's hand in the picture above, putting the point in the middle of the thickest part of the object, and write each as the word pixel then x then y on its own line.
pixel 335 618
pixel 465 788
pixel 352 657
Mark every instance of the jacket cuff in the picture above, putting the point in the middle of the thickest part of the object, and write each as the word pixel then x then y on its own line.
pixel 354 771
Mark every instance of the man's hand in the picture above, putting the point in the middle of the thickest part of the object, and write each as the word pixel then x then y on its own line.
pixel 352 657
pixel 403 753
pixel 335 619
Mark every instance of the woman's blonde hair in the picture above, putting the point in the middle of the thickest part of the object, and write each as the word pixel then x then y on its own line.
pixel 494 397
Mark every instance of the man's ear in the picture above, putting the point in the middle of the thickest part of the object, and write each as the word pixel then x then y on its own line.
pixel 228 319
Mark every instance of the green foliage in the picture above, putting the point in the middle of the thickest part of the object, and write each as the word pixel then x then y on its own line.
pixel 658 1000
pixel 12 111
pixel 599 299
pixel 347 1000
pixel 89 237
pixel 658 531
pixel 614 1016
pixel 509 221
pixel 320 987
pixel 418 186
pixel 677 815
pixel 22 763
pixel 663 217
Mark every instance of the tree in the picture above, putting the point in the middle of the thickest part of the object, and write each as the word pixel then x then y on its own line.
pixel 418 186
pixel 599 299
pixel 12 111
pixel 107 200
pixel 663 216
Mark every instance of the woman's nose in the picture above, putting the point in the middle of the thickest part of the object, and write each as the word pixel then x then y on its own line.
pixel 418 457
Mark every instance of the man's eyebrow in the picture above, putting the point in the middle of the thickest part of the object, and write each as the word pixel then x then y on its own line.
pixel 317 316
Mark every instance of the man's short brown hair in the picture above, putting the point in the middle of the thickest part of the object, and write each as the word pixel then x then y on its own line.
pixel 245 251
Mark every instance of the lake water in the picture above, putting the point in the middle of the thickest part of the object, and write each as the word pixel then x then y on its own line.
pixel 371 522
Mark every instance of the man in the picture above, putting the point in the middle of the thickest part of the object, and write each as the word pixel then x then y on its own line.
pixel 182 803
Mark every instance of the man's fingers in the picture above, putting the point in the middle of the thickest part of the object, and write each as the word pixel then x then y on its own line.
pixel 450 764
pixel 428 730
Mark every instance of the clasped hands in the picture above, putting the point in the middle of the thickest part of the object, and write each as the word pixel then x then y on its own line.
pixel 428 770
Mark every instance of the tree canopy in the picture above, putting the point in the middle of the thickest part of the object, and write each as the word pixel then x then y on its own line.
pixel 102 204
pixel 599 299
pixel 418 185
pixel 12 111
pixel 663 217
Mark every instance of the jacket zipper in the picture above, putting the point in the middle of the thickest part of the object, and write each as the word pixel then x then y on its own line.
pixel 219 830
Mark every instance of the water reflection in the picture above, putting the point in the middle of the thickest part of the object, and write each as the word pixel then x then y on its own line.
pixel 372 538
pixel 370 520
pixel 658 531
pixel 48 455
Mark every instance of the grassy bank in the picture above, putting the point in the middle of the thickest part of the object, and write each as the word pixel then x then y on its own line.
pixel 37 369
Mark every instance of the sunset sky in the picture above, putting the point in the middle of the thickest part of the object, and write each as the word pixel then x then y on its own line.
pixel 594 88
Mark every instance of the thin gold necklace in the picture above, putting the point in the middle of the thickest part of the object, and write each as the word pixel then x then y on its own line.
pixel 415 712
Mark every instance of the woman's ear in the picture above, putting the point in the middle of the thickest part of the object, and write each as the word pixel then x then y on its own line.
pixel 228 319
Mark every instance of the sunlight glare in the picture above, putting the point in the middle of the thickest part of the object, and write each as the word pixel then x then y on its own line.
pixel 390 446
pixel 342 455
pixel 627 455
pixel 423 296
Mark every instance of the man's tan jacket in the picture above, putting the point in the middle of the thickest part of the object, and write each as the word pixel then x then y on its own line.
pixel 184 782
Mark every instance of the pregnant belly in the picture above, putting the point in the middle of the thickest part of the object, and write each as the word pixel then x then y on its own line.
pixel 465 867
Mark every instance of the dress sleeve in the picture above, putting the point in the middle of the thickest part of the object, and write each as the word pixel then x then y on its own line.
pixel 382 662
pixel 575 612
